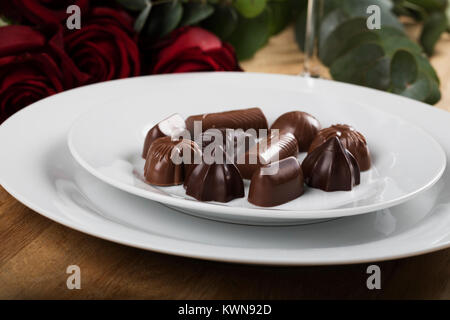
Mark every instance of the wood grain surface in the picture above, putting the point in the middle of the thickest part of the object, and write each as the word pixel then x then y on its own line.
pixel 35 252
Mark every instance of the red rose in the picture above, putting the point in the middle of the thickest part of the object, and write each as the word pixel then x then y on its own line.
pixel 40 11
pixel 105 46
pixel 193 49
pixel 32 68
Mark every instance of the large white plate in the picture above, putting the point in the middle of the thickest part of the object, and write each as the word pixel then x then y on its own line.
pixel 37 169
pixel 108 140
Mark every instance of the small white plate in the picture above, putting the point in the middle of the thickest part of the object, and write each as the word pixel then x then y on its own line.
pixel 108 140
pixel 37 168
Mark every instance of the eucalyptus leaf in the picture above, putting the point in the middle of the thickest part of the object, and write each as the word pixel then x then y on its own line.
pixel 222 22
pixel 353 66
pixel 194 12
pixel 329 23
pixel 378 74
pixel 250 8
pixel 279 16
pixel 164 18
pixel 434 26
pixel 142 18
pixel 337 42
pixel 404 70
pixel 392 40
pixel 250 35
pixel 430 5
pixel 134 5
pixel 419 90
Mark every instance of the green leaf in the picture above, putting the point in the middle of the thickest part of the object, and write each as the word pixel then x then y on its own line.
pixel 250 8
pixel 142 18
pixel 392 40
pixel 194 12
pixel 404 70
pixel 164 18
pixel 250 35
pixel 426 68
pixel 353 66
pixel 222 22
pixel 419 90
pixel 329 23
pixel 430 5
pixel 378 74
pixel 338 41
pixel 434 26
pixel 134 5
pixel 279 16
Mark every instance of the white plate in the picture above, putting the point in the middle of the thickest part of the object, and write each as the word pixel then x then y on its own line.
pixel 37 169
pixel 108 140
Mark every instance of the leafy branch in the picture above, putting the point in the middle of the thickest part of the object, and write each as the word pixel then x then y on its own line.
pixel 384 59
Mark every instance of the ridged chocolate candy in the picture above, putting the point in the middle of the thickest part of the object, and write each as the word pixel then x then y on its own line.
pixel 165 165
pixel 351 139
pixel 272 148
pixel 331 167
pixel 301 124
pixel 172 126
pixel 286 184
pixel 215 182
pixel 245 119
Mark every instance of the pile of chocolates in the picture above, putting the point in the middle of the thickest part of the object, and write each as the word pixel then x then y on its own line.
pixel 242 146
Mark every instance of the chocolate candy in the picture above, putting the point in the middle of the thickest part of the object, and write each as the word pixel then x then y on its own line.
pixel 331 167
pixel 272 148
pixel 215 182
pixel 301 124
pixel 283 185
pixel 351 139
pixel 167 162
pixel 172 126
pixel 245 119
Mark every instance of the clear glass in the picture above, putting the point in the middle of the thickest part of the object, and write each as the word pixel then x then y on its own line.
pixel 314 15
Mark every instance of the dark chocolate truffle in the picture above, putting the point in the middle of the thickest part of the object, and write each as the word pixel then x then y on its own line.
pixel 351 139
pixel 172 126
pixel 165 164
pixel 215 182
pixel 272 148
pixel 282 183
pixel 301 124
pixel 245 119
pixel 331 167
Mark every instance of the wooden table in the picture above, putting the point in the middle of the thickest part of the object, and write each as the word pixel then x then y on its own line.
pixel 35 252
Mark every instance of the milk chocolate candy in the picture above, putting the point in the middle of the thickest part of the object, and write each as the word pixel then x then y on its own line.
pixel 272 148
pixel 351 139
pixel 215 182
pixel 168 161
pixel 331 167
pixel 172 126
pixel 245 119
pixel 301 124
pixel 269 190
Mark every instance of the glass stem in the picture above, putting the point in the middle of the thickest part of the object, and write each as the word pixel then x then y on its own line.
pixel 309 36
